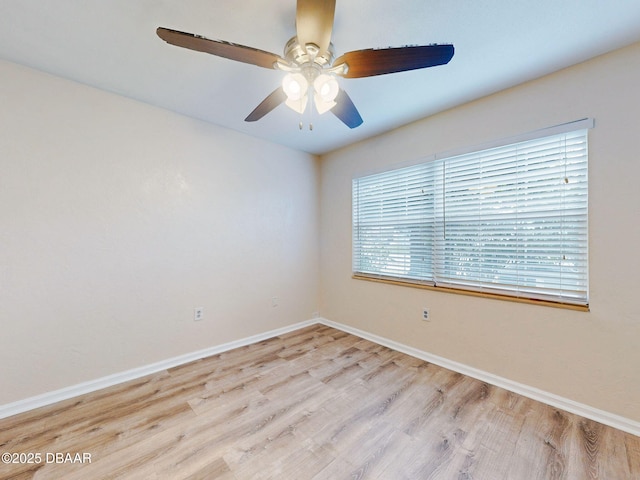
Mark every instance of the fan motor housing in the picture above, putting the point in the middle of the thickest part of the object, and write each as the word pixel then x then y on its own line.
pixel 298 54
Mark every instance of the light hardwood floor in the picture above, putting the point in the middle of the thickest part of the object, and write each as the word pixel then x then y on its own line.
pixel 316 404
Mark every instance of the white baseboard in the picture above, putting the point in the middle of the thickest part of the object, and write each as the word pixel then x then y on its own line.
pixel 604 417
pixel 49 398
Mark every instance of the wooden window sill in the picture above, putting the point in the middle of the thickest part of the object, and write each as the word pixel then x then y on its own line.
pixel 459 291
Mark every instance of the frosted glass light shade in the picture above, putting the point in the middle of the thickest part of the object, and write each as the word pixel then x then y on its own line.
pixel 298 105
pixel 326 86
pixel 321 105
pixel 295 86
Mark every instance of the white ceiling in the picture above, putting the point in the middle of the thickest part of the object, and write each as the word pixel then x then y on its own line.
pixel 112 45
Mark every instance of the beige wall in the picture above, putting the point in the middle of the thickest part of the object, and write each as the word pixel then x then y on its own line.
pixel 117 219
pixel 592 358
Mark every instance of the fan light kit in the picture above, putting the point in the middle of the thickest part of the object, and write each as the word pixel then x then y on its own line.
pixel 311 71
pixel 324 90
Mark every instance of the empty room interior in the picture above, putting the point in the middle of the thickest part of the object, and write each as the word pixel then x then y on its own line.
pixel 195 284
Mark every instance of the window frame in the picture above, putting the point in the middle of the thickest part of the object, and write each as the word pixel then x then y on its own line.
pixel 488 290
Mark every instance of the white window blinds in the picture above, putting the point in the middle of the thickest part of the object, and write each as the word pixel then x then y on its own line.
pixel 510 220
pixel 393 227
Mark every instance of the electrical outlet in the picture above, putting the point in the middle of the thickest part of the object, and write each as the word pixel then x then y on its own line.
pixel 198 314
pixel 274 301
pixel 426 316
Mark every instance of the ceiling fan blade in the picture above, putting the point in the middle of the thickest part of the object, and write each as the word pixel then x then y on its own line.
pixel 314 22
pixel 233 51
pixel 346 111
pixel 274 99
pixel 371 62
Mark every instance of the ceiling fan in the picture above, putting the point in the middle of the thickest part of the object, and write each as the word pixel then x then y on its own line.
pixel 310 65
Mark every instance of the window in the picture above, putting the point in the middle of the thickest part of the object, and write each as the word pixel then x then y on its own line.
pixel 507 220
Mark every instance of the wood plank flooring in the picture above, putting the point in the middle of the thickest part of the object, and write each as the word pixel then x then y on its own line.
pixel 314 404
